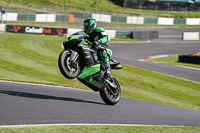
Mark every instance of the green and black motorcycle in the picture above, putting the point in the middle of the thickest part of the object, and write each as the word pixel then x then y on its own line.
pixel 72 65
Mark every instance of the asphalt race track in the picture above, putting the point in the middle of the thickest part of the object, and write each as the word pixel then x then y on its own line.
pixel 39 104
pixel 130 53
pixel 35 104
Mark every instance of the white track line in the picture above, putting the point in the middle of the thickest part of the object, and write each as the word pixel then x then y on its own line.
pixel 38 84
pixel 159 56
pixel 75 124
pixel 152 57
pixel 188 67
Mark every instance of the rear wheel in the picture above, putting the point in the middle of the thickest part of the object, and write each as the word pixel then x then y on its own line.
pixel 110 95
pixel 68 69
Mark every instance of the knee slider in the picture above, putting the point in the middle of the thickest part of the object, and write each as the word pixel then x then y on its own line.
pixel 104 54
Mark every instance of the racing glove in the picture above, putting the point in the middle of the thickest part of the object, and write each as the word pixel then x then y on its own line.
pixel 97 44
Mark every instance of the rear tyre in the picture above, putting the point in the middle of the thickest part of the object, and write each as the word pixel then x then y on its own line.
pixel 109 95
pixel 68 69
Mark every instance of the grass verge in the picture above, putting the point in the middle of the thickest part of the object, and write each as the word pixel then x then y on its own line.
pixel 173 60
pixel 43 24
pixel 33 58
pixel 103 24
pixel 102 129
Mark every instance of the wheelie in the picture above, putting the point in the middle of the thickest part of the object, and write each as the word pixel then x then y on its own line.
pixel 87 57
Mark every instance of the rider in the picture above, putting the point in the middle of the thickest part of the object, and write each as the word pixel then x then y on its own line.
pixel 99 38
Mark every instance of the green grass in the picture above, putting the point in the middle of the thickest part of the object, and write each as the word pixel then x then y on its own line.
pixel 102 129
pixel 197 54
pixel 89 6
pixel 104 6
pixel 33 58
pixel 79 25
pixel 56 24
pixel 173 60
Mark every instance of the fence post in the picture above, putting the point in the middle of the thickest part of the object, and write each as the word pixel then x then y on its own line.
pixel 83 14
pixel 27 19
pixel 47 16
pixel 156 6
pixel 2 12
pixel 117 21
pixel 96 4
pixel 124 3
pixel 168 6
pixel 186 8
pixel 140 5
pixel 7 11
pixel 65 18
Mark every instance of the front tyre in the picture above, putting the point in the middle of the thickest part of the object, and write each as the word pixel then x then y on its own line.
pixel 68 69
pixel 109 95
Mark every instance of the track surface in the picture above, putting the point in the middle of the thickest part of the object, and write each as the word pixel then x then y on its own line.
pixel 35 104
pixel 130 53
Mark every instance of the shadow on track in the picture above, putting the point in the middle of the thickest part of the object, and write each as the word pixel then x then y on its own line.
pixel 41 96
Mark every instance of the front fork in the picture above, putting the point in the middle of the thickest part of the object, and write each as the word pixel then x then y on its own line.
pixel 74 56
pixel 73 60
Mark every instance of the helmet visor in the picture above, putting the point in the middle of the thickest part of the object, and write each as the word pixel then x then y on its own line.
pixel 88 28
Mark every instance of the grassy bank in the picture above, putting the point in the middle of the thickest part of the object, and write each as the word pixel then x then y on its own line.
pixel 88 6
pixel 33 58
pixel 102 129
pixel 173 60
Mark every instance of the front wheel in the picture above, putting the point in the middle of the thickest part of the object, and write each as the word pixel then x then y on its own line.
pixel 110 95
pixel 68 69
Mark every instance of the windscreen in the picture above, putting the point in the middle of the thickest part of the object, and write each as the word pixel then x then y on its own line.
pixel 80 33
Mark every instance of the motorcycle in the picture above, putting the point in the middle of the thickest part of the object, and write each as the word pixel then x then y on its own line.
pixel 72 65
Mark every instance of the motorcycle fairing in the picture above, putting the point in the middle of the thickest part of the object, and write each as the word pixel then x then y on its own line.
pixel 87 71
pixel 75 39
pixel 93 81
pixel 88 55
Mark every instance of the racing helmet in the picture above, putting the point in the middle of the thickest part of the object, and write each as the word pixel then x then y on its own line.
pixel 89 25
